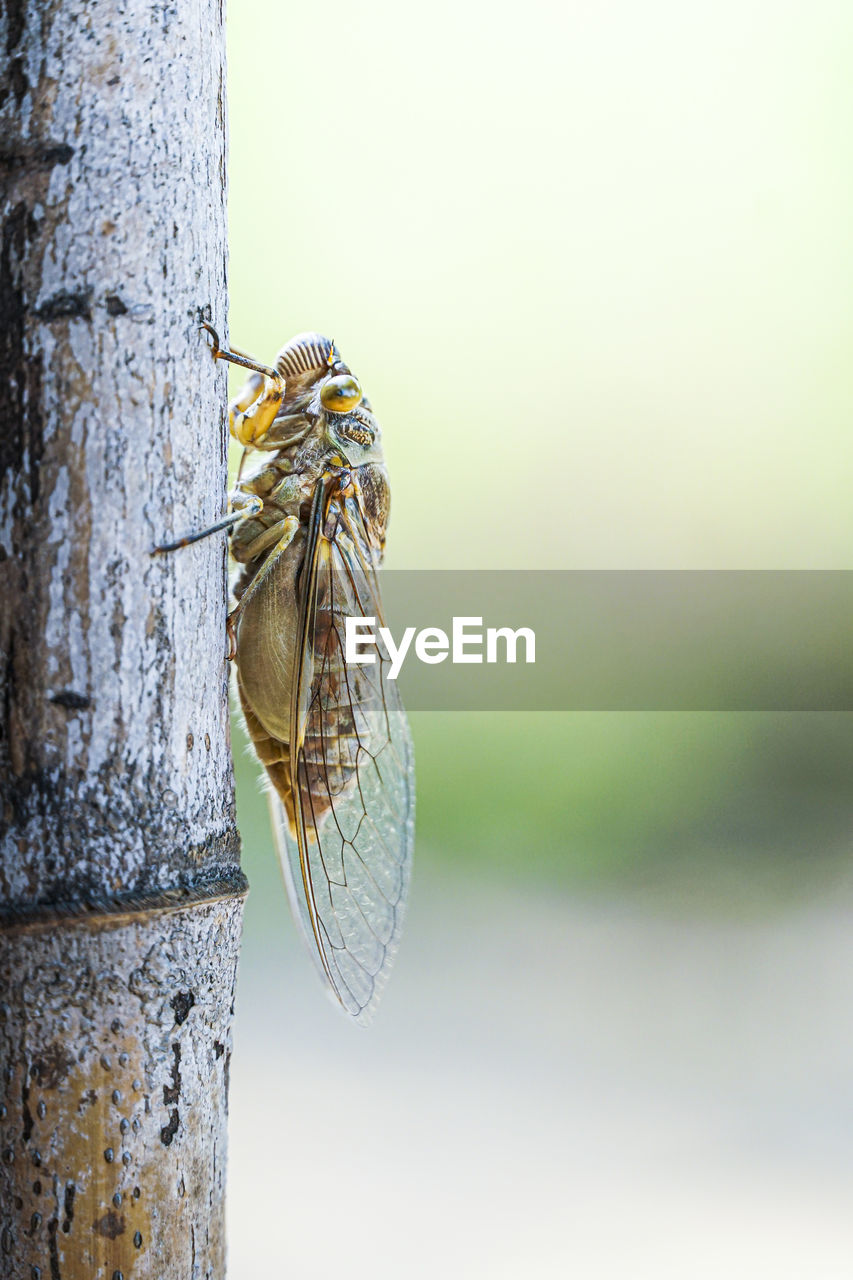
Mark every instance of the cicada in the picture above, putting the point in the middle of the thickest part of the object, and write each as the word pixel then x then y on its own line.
pixel 308 534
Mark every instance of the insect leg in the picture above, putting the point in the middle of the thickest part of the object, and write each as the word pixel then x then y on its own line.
pixel 252 507
pixel 251 414
pixel 237 357
pixel 290 428
pixel 283 533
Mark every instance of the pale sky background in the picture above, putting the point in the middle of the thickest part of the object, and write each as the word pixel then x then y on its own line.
pixel 591 262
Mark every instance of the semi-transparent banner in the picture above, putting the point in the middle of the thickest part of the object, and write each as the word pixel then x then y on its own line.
pixel 542 641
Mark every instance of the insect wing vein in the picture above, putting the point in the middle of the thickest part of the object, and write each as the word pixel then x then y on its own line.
pixel 351 864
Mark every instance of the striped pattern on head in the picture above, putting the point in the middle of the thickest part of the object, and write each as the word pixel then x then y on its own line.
pixel 306 353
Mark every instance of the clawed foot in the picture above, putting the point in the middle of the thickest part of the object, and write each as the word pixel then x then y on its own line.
pixel 231 632
pixel 216 350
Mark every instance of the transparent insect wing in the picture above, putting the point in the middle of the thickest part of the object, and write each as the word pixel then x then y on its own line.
pixel 347 865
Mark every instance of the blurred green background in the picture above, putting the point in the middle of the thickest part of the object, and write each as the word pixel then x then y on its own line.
pixel 593 267
pixel 591 263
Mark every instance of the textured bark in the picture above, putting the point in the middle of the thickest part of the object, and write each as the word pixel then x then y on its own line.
pixel 120 885
pixel 116 1045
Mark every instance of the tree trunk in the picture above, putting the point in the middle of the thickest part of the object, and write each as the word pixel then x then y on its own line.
pixel 120 887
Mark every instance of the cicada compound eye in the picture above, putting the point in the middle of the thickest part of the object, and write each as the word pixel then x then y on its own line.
pixel 341 394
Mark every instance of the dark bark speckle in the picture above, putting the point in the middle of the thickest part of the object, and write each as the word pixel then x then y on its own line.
pixel 26 1114
pixel 110 1225
pixel 52 1066
pixel 71 700
pixel 172 1092
pixel 16 19
pixel 53 1251
pixel 181 1004
pixel 169 1130
pixel 28 157
pixel 67 304
pixel 70 1191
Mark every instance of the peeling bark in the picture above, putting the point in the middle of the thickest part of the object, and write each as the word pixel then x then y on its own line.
pixel 120 885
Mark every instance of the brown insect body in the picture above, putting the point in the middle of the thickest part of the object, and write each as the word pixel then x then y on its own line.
pixel 333 738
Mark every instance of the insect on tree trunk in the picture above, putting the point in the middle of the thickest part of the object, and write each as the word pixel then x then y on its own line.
pixel 120 882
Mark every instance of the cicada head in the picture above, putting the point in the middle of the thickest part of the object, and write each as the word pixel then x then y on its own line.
pixel 322 386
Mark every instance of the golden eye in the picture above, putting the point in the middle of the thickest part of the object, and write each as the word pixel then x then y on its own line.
pixel 341 394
